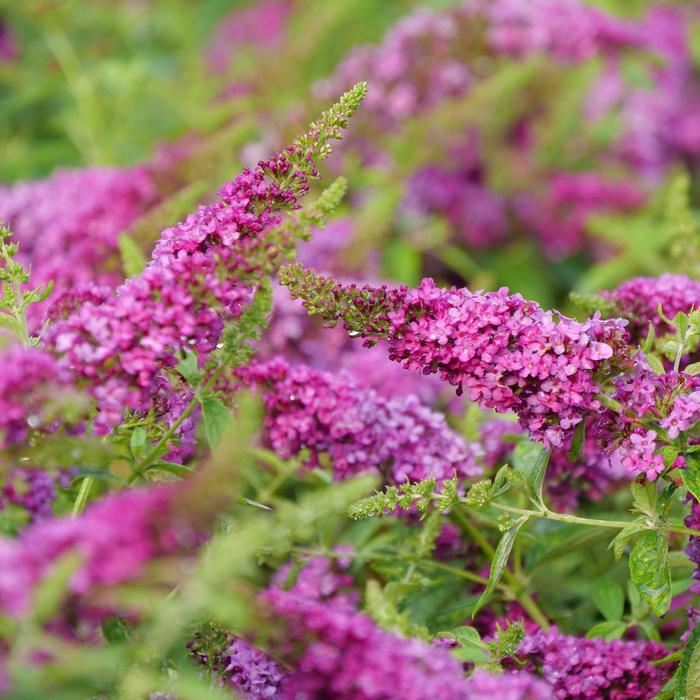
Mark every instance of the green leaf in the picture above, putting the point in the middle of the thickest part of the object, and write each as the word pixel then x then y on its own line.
pixel 530 460
pixel 655 363
pixel 500 560
pixel 688 675
pixel 217 419
pixel 137 441
pixel 609 598
pixel 471 648
pixel 170 467
pixel 691 475
pixel 693 368
pixel 650 572
pixel 668 691
pixel 577 442
pixel 610 629
pixel 187 367
pixel 619 542
pixel 133 259
pixel 114 630
pixel 645 497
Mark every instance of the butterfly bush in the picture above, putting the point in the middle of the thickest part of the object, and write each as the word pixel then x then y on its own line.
pixel 507 353
pixel 34 490
pixel 191 287
pixel 242 667
pixel 357 428
pixel 246 577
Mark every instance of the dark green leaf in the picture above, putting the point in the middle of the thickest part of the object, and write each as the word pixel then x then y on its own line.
pixel 691 475
pixel 114 630
pixel 650 572
pixel 500 560
pixel 609 598
pixel 688 675
pixel 217 419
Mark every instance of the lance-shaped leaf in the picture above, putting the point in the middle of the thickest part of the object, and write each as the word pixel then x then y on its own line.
pixel 217 419
pixel 691 475
pixel 499 562
pixel 531 459
pixel 650 572
pixel 687 679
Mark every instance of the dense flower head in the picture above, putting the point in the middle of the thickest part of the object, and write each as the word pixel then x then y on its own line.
pixel 692 521
pixel 566 29
pixel 684 413
pixel 404 83
pixel 507 353
pixel 346 656
pixel 68 224
pixel 639 299
pixel 594 668
pixel 358 429
pixel 237 664
pixel 202 273
pixel 652 402
pixel 114 540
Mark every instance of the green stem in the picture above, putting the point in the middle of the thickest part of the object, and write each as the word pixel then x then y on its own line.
pixel 591 522
pixel 83 494
pixel 138 469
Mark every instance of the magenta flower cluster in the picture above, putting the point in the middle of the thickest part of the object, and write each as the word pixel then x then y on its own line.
pixel 507 686
pixel 359 430
pixel 181 300
pixel 594 668
pixel 68 224
pixel 639 299
pixel 506 353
